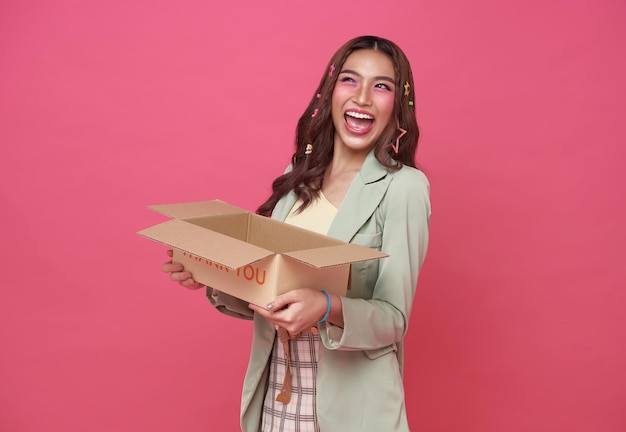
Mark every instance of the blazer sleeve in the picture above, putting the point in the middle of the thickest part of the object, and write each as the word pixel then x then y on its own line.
pixel 229 305
pixel 379 322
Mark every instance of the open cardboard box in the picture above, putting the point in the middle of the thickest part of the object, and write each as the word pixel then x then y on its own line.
pixel 253 257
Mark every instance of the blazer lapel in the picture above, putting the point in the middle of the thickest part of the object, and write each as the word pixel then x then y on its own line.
pixel 283 206
pixel 366 191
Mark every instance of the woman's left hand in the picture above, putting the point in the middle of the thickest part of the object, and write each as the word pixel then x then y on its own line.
pixel 296 310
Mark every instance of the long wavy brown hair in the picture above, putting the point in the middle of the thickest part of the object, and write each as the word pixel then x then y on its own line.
pixel 316 128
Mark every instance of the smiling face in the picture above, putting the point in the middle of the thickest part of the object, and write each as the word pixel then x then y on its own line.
pixel 363 100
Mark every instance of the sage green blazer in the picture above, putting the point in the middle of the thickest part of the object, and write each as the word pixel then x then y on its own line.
pixel 359 379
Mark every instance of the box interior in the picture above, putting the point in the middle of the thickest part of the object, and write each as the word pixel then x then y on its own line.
pixel 264 232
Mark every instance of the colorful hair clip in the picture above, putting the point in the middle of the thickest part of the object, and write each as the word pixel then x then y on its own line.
pixel 410 103
pixel 315 112
pixel 407 86
pixel 308 150
pixel 319 95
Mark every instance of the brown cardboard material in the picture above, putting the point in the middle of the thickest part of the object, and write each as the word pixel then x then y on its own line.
pixel 253 257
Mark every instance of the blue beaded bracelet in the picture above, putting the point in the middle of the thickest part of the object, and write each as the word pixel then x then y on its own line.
pixel 327 310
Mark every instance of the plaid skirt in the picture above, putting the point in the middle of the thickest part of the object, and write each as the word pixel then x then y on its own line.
pixel 299 414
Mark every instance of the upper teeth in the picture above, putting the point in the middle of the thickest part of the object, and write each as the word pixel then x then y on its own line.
pixel 359 115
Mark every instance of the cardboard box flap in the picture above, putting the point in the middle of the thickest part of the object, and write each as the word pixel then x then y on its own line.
pixel 204 243
pixel 196 209
pixel 335 255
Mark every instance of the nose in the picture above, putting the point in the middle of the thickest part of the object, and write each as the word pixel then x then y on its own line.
pixel 362 95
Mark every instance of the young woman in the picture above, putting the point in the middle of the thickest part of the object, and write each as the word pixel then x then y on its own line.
pixel 320 362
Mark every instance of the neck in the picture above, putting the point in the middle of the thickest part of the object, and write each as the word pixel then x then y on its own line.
pixel 346 161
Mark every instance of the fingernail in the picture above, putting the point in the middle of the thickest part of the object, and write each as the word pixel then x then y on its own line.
pixel 270 305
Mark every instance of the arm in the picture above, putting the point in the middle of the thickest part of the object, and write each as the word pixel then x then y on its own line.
pixel 300 310
pixel 380 316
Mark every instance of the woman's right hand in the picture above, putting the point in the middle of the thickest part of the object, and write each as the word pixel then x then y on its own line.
pixel 178 274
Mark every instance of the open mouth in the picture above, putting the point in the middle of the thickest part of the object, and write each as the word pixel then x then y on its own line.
pixel 357 122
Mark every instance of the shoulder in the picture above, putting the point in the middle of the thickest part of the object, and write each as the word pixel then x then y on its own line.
pixel 408 193
pixel 409 181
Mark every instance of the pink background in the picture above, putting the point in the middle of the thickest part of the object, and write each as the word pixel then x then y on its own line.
pixel 107 107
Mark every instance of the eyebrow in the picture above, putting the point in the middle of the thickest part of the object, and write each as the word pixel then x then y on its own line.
pixel 382 77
